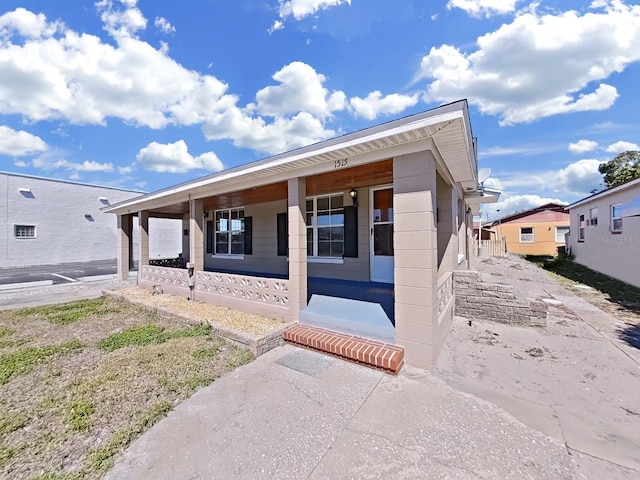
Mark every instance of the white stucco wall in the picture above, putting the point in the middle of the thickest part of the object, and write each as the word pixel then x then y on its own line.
pixel 614 254
pixel 69 224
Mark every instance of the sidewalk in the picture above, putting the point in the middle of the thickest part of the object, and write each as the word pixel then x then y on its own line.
pixel 267 420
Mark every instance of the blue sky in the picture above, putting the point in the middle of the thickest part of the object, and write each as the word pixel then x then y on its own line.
pixel 146 94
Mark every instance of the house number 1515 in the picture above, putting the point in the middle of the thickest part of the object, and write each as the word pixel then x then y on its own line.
pixel 340 163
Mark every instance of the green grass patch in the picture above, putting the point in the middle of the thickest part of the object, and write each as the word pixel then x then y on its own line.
pixel 66 313
pixel 54 476
pixel 101 459
pixel 573 273
pixel 25 360
pixel 149 334
pixel 79 413
pixel 239 357
pixel 5 331
pixel 12 421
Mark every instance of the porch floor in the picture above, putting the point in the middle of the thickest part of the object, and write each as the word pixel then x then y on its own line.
pixel 375 292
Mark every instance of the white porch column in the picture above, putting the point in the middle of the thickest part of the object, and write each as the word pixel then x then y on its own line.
pixel 297 246
pixel 196 234
pixel 124 247
pixel 143 243
pixel 416 256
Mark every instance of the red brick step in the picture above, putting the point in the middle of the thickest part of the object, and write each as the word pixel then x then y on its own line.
pixel 384 356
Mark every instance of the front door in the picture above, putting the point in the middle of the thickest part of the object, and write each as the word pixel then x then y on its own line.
pixel 381 214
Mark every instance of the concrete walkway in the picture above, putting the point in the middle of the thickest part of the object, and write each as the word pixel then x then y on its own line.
pixel 298 414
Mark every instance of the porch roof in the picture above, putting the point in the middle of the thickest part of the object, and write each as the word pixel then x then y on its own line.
pixel 445 130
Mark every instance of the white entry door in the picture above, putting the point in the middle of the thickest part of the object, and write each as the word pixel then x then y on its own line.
pixel 381 201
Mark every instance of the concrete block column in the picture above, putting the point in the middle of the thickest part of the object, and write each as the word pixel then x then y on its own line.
pixel 196 234
pixel 143 243
pixel 415 256
pixel 125 246
pixel 297 206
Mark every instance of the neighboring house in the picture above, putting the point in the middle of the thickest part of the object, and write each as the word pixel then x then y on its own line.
pixel 50 221
pixel 537 231
pixel 382 210
pixel 605 232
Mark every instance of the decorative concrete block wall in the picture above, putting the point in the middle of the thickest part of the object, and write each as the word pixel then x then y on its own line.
pixel 495 302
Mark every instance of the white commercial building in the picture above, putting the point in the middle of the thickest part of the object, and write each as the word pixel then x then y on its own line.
pixel 47 221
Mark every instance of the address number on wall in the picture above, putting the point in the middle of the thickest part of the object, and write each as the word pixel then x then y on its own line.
pixel 342 162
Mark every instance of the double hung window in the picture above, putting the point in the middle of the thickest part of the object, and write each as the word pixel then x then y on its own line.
pixel 526 235
pixel 616 218
pixel 325 226
pixel 229 232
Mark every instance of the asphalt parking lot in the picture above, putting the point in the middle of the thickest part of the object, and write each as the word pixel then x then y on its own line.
pixel 57 274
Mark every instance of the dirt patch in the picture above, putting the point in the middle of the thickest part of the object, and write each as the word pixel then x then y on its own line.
pixel 69 413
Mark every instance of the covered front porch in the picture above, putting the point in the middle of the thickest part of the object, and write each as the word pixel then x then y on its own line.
pixel 377 217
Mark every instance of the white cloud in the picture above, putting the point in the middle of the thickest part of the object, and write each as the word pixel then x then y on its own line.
pixel 539 65
pixel 18 143
pixel 580 177
pixel 621 146
pixel 175 158
pixel 583 146
pixel 83 80
pixel 509 203
pixel 51 161
pixel 300 9
pixel 121 23
pixel 300 89
pixel 478 8
pixel 163 25
pixel 577 179
pixel 374 104
pixel 20 163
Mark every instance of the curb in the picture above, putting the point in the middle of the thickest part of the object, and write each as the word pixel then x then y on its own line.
pixel 13 286
pixel 256 344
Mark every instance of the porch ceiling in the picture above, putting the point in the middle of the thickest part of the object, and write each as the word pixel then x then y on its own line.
pixel 445 129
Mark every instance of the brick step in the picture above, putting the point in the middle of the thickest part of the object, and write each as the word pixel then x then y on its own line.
pixel 383 356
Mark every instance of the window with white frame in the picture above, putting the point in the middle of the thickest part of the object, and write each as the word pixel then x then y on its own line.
pixel 325 226
pixel 24 231
pixel 616 218
pixel 229 231
pixel 526 235
pixel 593 217
pixel 560 234
pixel 581 225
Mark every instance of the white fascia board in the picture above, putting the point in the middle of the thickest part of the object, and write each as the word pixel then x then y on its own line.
pixel 439 115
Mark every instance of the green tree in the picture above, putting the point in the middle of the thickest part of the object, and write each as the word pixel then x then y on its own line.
pixel 621 169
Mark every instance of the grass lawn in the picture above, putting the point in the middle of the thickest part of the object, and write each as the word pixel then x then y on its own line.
pixel 80 381
pixel 618 298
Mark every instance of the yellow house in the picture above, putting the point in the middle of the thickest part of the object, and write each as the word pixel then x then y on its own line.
pixel 538 231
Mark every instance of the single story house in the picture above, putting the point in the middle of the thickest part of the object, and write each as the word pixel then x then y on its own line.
pixel 382 212
pixel 49 221
pixel 537 231
pixel 605 232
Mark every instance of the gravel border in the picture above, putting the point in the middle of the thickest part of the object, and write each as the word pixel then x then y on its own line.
pixel 255 333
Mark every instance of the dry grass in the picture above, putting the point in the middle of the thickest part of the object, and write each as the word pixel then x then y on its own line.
pixel 69 407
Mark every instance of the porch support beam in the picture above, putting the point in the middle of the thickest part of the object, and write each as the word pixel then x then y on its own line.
pixel 416 256
pixel 196 234
pixel 124 251
pixel 297 189
pixel 447 228
pixel 143 242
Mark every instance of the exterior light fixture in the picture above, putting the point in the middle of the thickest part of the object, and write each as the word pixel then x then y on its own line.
pixel 353 193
